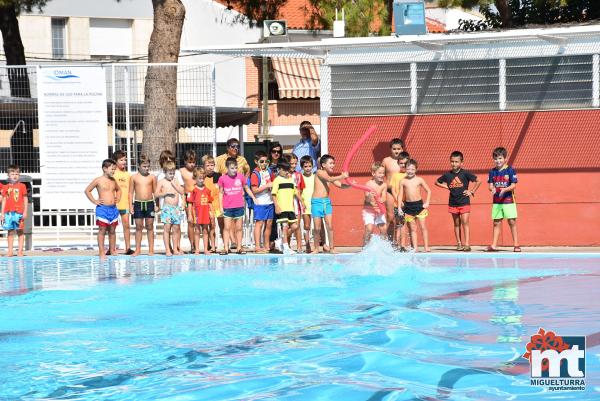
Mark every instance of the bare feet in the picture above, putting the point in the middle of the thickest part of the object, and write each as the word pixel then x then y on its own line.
pixel 136 253
pixel 151 253
pixel 196 252
pixel 20 253
pixel 326 248
pixel 316 250
pixel 102 256
pixel 178 253
pixel 333 251
pixel 168 253
pixel 207 252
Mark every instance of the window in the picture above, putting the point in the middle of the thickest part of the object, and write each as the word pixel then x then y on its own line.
pixel 58 37
pixel 111 38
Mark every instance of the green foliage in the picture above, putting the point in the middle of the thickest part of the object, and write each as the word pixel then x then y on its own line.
pixel 24 5
pixel 524 12
pixel 363 17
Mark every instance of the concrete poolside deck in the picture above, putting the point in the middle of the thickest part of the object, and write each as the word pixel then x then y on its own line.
pixel 435 249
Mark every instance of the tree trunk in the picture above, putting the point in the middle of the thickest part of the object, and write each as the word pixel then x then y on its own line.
pixel 14 51
pixel 505 13
pixel 160 94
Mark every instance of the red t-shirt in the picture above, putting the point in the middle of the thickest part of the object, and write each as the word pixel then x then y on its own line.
pixel 15 197
pixel 202 199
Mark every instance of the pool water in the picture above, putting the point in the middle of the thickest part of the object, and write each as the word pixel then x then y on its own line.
pixel 371 326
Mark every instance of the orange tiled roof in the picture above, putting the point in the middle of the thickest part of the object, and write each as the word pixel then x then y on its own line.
pixel 298 14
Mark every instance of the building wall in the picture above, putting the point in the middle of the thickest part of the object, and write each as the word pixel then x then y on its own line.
pixel 554 153
pixel 283 113
pixel 78 37
pixel 35 34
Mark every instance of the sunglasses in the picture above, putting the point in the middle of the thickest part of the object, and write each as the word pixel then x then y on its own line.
pixel 276 151
pixel 262 161
pixel 234 146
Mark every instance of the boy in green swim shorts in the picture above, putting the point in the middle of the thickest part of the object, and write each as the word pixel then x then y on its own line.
pixel 320 204
pixel 503 181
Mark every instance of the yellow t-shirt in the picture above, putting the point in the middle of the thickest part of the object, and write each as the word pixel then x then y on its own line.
pixel 307 192
pixel 285 190
pixel 395 183
pixel 122 177
pixel 243 166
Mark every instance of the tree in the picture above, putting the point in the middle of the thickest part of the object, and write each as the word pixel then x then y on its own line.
pixel 13 45
pixel 363 17
pixel 160 93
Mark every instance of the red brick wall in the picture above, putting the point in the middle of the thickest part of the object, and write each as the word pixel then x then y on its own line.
pixel 555 154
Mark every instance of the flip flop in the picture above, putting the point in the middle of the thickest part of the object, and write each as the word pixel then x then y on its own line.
pixel 223 253
pixel 241 252
pixel 490 249
pixel 460 248
pixel 517 249
pixel 466 248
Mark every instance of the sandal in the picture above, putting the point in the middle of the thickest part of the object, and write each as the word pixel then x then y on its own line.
pixel 459 247
pixel 241 251
pixel 466 248
pixel 223 252
pixel 517 249
pixel 490 249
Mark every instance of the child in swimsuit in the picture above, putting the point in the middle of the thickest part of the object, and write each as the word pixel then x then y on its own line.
pixel 170 214
pixel 415 210
pixel 107 214
pixel 141 193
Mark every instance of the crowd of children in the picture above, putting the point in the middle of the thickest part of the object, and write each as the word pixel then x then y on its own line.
pixel 288 197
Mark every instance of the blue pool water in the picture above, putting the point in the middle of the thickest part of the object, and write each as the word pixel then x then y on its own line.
pixel 374 326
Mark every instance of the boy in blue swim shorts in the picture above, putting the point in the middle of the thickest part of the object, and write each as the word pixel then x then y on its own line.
pixel 107 214
pixel 320 204
pixel 14 209
pixel 169 190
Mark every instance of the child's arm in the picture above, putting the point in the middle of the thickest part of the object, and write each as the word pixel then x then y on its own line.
pixel 507 189
pixel 131 193
pixel 25 204
pixel 277 208
pixel 442 185
pixel 249 192
pixel 2 210
pixel 118 192
pixel 472 191
pixel 221 190
pixel 326 177
pixel 400 198
pixel 88 193
pixel 428 190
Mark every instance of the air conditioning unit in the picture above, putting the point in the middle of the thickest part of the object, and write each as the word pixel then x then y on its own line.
pixel 274 28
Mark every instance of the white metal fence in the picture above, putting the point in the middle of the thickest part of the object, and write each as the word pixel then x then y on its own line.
pixel 19 134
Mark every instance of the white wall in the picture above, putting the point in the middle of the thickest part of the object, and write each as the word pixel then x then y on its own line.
pixel 209 23
pixel 450 16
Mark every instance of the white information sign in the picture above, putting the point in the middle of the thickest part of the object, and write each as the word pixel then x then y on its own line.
pixel 73 133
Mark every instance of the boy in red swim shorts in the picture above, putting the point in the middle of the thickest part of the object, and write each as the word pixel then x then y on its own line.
pixel 456 181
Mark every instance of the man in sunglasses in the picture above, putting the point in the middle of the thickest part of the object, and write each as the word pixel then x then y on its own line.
pixel 233 150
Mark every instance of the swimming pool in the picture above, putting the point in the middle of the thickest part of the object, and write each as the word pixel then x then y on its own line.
pixel 373 326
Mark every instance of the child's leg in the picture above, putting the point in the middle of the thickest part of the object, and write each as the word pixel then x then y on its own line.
pixel 196 244
pixel 382 231
pixel 228 222
pixel 389 209
pixel 512 223
pixel 368 233
pixel 9 242
pixel 205 235
pixel 126 232
pixel 464 222
pixel 258 227
pixel 112 240
pixel 212 232
pixel 496 233
pixel 412 228
pixel 239 232
pixel 150 234
pixel 191 227
pixel 167 238
pixel 284 233
pixel 298 232
pixel 101 234
pixel 306 223
pixel 456 222
pixel 21 241
pixel 139 230
pixel 424 233
pixel 329 228
pixel 221 223
pixel 176 236
pixel 318 224
pixel 267 234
